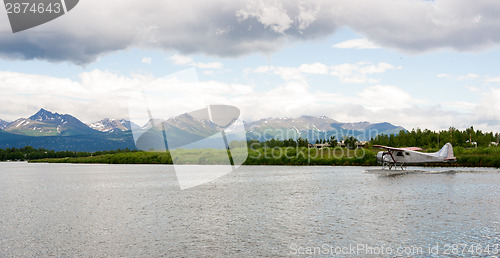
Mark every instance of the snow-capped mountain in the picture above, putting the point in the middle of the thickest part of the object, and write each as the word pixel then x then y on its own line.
pixel 112 134
pixel 46 123
pixel 3 124
pixel 312 128
pixel 111 125
pixel 179 130
pixel 302 123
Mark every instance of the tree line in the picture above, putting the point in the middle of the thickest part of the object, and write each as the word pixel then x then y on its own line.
pixel 431 139
pixel 30 153
pixel 300 142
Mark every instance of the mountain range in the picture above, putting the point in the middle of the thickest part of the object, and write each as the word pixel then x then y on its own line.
pixel 111 125
pixel 312 128
pixel 55 131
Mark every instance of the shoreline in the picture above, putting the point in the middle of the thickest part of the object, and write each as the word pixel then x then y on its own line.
pixel 146 158
pixel 244 165
pixel 277 156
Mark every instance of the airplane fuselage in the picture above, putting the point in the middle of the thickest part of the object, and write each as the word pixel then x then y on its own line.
pixel 408 157
pixel 412 155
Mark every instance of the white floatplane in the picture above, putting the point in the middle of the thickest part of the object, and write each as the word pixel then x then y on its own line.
pixel 401 157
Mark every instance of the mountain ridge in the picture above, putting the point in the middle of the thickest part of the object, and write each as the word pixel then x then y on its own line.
pixel 304 122
pixel 313 128
pixel 111 125
pixel 47 123
pixel 51 130
pixel 3 124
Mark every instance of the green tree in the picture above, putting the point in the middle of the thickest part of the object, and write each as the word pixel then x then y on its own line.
pixel 350 142
pixel 332 142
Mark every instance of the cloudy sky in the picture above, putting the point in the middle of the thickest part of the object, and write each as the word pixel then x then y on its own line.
pixel 426 64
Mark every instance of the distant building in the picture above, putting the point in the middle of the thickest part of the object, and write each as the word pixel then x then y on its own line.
pixel 472 143
pixel 361 144
pixel 319 145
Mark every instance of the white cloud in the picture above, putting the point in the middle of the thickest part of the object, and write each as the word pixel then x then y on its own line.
pixel 356 44
pixel 271 14
pixel 308 13
pixel 416 26
pixel 358 72
pixel 186 60
pixel 211 65
pixel 487 111
pixel 99 94
pixel 460 105
pixel 444 75
pixel 467 77
pixel 315 68
pixel 146 60
pixel 96 95
pixel 181 60
pixel 383 96
pixel 346 73
pixel 293 73
pixel 433 117
pixel 493 79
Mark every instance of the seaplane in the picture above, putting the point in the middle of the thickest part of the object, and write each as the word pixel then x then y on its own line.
pixel 400 158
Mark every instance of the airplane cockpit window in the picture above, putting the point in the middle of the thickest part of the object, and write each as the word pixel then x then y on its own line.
pixel 399 154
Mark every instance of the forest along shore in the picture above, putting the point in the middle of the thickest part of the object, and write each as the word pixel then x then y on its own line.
pixel 468 157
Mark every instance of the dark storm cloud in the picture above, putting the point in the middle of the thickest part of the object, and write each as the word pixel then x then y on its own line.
pixel 234 28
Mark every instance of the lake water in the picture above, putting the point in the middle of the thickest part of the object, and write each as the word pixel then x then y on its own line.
pixel 139 210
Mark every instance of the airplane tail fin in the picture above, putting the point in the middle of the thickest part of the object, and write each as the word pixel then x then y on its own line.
pixel 447 152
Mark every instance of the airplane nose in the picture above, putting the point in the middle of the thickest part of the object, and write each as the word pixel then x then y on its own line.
pixel 380 157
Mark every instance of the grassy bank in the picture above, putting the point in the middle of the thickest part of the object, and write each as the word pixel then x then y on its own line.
pixel 118 158
pixel 477 157
pixel 311 156
pixel 264 156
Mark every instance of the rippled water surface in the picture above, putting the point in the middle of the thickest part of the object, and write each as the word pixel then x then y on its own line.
pixel 139 210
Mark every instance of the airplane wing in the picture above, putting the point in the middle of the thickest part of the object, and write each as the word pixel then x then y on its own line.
pixel 389 150
pixel 398 149
pixel 412 148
